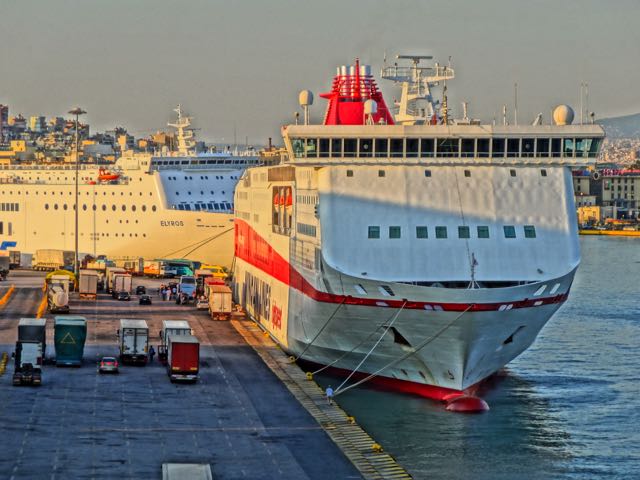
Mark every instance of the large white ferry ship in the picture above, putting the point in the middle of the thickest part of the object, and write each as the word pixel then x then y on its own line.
pixel 173 204
pixel 422 252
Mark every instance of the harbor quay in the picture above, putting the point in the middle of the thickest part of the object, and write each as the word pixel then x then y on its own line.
pixel 239 417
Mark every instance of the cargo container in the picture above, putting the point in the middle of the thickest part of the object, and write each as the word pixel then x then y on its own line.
pixel 26 260
pixel 70 333
pixel 30 351
pixel 88 283
pixel 51 259
pixel 183 358
pixel 134 341
pixel 14 259
pixel 121 282
pixel 220 304
pixel 110 272
pixel 171 327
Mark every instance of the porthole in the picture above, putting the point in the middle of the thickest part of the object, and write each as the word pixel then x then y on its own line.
pixel 84 207
pixel 64 207
pixel 104 207
pixel 113 207
pixel 55 206
pixel 153 208
pixel 133 208
pixel 46 206
pixel 124 208
pixel 144 208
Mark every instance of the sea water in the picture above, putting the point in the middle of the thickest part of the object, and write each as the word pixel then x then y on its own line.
pixel 567 408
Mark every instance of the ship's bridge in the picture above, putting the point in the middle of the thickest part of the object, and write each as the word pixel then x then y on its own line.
pixel 571 145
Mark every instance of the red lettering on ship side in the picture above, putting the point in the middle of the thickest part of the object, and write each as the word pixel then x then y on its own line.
pixel 276 317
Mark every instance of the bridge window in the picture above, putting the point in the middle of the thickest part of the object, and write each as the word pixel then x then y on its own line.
pixel 467 147
pixel 311 149
pixel 366 147
pixel 394 232
pixel 483 231
pixel 412 147
pixel 441 232
pixel 513 147
pixel 382 147
pixel 542 147
pixel 426 148
pixel 594 147
pixel 422 232
pixel 336 147
pixel 556 147
pixel 397 147
pixel 482 146
pixel 463 232
pixel 509 231
pixel 527 147
pixel 374 232
pixel 529 231
pixel 350 147
pixel 497 147
pixel 323 150
pixel 447 147
pixel 569 147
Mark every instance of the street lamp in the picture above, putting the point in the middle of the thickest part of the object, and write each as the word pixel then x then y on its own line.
pixel 77 112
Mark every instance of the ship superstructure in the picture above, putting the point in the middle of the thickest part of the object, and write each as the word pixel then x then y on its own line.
pixel 170 204
pixel 426 252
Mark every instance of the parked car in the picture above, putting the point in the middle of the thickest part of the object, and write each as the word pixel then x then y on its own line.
pixel 141 290
pixel 108 365
pixel 145 300
pixel 124 296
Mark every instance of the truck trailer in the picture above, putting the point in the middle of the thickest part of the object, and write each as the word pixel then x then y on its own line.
pixel 70 333
pixel 110 272
pixel 121 282
pixel 183 358
pixel 220 304
pixel 30 351
pixel 88 285
pixel 171 327
pixel 52 259
pixel 133 337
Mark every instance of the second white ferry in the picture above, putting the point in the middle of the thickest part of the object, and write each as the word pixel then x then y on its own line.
pixel 178 204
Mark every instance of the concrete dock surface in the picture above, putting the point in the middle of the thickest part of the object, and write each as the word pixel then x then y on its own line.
pixel 239 417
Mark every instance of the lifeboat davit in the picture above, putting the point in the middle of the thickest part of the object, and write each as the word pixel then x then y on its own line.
pixel 106 176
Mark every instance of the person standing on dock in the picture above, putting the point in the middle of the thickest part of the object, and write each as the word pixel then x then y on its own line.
pixel 329 392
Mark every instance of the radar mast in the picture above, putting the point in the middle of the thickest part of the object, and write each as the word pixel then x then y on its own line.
pixel 416 105
pixel 185 135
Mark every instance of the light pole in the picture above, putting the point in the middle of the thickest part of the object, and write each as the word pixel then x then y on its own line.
pixel 77 112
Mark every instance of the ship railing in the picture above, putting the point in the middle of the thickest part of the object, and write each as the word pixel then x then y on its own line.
pixel 433 161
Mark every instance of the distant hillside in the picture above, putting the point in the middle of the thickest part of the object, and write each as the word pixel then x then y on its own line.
pixel 622 127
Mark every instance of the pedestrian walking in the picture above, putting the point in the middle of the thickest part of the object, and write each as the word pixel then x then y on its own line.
pixel 329 392
pixel 152 352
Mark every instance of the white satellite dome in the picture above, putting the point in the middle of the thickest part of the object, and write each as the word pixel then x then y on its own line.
pixel 305 98
pixel 563 115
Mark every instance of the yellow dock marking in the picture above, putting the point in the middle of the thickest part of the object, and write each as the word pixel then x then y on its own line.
pixel 7 295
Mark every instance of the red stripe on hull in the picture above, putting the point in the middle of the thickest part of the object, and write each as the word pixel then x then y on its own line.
pixel 256 251
pixel 403 386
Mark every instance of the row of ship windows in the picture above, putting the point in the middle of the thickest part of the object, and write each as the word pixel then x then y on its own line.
pixel 94 207
pixel 482 231
pixel 445 147
pixel 304 229
pixel 9 207
pixel 244 161
pixel 204 177
pixel 10 192
pixel 201 193
pixel 467 173
pixel 204 206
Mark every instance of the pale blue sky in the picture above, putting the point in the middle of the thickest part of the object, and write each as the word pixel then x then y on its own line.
pixel 242 63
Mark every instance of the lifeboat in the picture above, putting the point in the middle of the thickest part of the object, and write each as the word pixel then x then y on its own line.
pixel 106 176
pixel 288 202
